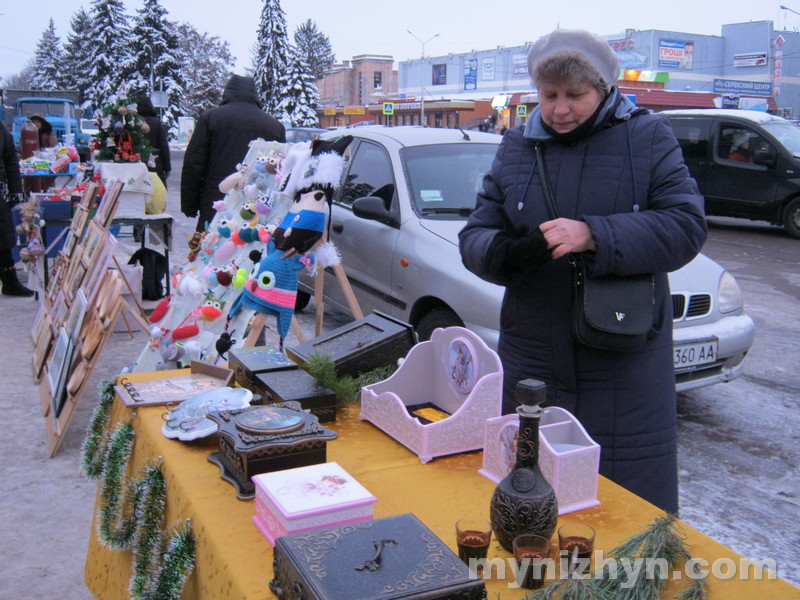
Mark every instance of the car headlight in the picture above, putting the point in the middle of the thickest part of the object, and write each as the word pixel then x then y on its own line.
pixel 730 294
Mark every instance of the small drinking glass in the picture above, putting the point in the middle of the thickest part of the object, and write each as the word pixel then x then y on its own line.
pixel 530 551
pixel 473 537
pixel 576 540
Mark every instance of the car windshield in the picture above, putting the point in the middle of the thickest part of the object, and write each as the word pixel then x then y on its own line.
pixel 445 179
pixel 787 134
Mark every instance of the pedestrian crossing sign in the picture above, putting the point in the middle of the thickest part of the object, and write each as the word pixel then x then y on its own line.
pixel 522 110
pixel 388 108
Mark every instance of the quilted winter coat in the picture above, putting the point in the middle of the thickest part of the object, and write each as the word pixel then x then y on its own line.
pixel 10 185
pixel 626 179
pixel 219 142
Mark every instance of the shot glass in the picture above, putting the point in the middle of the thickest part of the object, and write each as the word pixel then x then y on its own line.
pixel 530 551
pixel 576 541
pixel 473 537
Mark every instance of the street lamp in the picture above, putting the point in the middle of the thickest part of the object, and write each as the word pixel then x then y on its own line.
pixel 784 16
pixel 422 77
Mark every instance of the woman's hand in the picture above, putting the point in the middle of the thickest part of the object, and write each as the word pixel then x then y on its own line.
pixel 565 235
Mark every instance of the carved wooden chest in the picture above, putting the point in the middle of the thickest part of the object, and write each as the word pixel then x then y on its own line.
pixel 298 386
pixel 261 439
pixel 389 559
pixel 360 346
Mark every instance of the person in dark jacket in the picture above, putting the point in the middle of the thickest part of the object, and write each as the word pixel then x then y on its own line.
pixel 627 205
pixel 10 194
pixel 157 136
pixel 220 141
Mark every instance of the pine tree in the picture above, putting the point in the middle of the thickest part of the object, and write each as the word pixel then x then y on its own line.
pixel 299 96
pixel 77 53
pixel 156 55
pixel 109 37
pixel 47 61
pixel 315 47
pixel 206 66
pixel 272 54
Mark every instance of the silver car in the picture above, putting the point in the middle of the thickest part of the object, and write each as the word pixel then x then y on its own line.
pixel 405 195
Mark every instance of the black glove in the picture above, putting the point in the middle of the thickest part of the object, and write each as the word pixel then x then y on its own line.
pixel 515 252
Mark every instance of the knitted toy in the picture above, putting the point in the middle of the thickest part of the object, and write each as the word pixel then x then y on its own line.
pixel 273 288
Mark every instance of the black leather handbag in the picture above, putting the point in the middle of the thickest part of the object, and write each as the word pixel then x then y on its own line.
pixel 611 312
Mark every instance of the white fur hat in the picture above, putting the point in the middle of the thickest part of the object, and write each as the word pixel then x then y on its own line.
pixel 594 49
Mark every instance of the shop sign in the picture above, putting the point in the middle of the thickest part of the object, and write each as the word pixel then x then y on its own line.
pixel 470 73
pixel 329 110
pixel 354 110
pixel 735 86
pixel 487 69
pixel 519 66
pixel 751 59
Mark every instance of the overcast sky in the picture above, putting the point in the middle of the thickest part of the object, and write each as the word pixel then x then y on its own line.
pixel 369 27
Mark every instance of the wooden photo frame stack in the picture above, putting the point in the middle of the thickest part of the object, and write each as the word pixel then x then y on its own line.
pixel 80 307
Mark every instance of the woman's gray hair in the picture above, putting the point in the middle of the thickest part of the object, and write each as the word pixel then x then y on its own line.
pixel 573 56
pixel 570 68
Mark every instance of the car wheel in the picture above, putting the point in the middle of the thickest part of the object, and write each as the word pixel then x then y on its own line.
pixel 302 300
pixel 791 218
pixel 438 317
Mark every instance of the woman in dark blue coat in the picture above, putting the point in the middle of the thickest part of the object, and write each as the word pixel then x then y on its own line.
pixel 627 205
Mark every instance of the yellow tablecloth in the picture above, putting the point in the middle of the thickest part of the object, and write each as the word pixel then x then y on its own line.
pixel 235 562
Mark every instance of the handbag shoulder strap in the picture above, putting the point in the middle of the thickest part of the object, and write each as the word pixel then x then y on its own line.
pixel 548 191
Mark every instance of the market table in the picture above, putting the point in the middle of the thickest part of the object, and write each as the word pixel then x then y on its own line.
pixel 235 562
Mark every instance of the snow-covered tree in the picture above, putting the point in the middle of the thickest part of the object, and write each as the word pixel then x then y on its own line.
pixel 206 66
pixel 272 54
pixel 155 55
pixel 299 96
pixel 47 61
pixel 77 53
pixel 315 47
pixel 109 37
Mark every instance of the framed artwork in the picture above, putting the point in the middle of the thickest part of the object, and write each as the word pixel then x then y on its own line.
pixel 98 266
pixel 93 242
pixel 108 205
pixel 69 242
pixel 76 314
pixel 79 220
pixel 461 365
pixel 59 309
pixel 42 343
pixel 89 198
pixel 57 279
pixel 38 322
pixel 74 281
pixel 59 364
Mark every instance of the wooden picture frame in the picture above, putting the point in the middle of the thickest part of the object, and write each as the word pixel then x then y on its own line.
pixel 79 221
pixel 76 315
pixel 59 363
pixel 108 205
pixel 57 278
pixel 58 312
pixel 73 283
pixel 69 241
pixel 98 265
pixel 42 344
pixel 89 198
pixel 93 242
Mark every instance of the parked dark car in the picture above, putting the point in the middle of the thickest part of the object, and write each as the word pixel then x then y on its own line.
pixel 405 195
pixel 746 163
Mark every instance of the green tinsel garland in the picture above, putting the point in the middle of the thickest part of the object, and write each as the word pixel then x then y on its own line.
pixel 663 539
pixel 93 448
pixel 161 561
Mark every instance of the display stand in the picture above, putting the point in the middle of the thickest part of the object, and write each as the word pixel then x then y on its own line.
pixel 78 311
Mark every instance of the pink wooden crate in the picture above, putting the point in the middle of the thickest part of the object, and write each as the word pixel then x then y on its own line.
pixel 306 498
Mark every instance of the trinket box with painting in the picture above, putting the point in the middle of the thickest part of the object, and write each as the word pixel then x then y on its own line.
pixel 306 498
pixel 261 439
pixel 246 363
pixel 391 558
pixel 568 457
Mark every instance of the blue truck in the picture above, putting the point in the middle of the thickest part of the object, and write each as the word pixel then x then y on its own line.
pixel 57 107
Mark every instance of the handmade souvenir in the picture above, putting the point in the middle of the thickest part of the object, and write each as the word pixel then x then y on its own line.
pixel 306 498
pixel 171 390
pixel 390 558
pixel 297 385
pixel 261 439
pixel 188 421
pixel 246 363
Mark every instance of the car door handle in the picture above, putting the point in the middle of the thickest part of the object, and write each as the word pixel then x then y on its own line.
pixel 337 227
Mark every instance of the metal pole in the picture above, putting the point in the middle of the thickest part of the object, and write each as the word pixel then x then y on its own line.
pixel 422 77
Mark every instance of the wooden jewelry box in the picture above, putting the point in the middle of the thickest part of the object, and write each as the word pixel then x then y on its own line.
pixel 295 384
pixel 392 558
pixel 261 439
pixel 306 498
pixel 246 363
pixel 360 346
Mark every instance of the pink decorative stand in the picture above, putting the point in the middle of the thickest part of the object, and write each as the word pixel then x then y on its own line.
pixel 454 372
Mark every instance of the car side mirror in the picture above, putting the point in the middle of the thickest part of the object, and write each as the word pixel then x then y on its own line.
pixel 371 207
pixel 764 157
